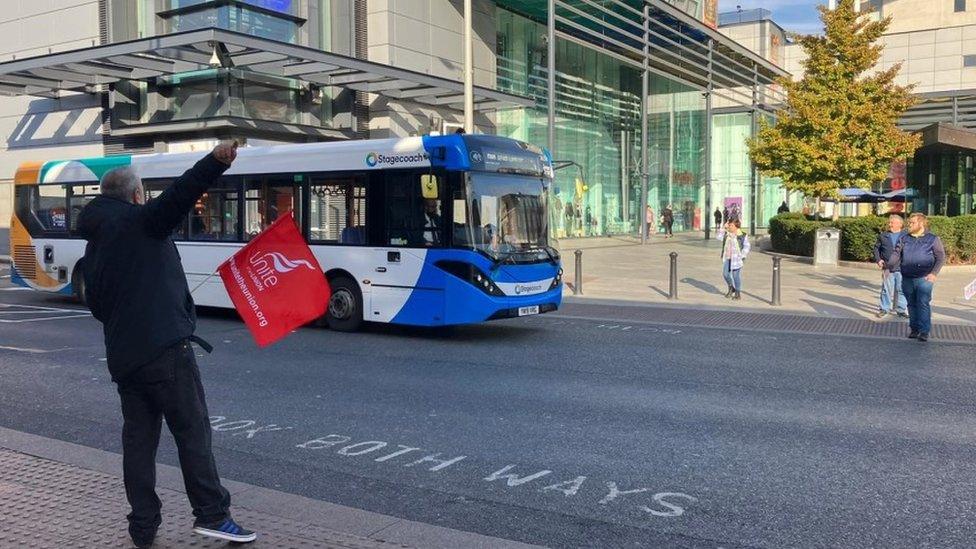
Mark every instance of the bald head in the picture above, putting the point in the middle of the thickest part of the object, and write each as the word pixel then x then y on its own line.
pixel 123 184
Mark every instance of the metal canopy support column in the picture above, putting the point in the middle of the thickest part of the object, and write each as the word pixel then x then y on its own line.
pixel 753 175
pixel 708 143
pixel 551 77
pixel 468 68
pixel 955 110
pixel 645 92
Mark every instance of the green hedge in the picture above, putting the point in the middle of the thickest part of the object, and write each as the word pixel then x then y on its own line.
pixel 945 228
pixel 858 235
pixel 966 237
pixel 793 234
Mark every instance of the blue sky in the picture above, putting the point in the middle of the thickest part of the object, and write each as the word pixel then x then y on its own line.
pixel 793 15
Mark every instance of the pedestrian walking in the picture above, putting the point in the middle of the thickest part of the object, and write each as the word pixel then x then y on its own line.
pixel 649 219
pixel 891 294
pixel 735 248
pixel 136 287
pixel 784 208
pixel 919 256
pixel 667 219
pixel 717 215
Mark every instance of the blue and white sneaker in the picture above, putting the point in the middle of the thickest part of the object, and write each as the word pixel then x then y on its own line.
pixel 227 530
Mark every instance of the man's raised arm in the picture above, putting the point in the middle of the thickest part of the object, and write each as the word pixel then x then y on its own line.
pixel 162 214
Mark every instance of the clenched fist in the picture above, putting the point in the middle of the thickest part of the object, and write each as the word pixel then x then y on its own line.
pixel 226 152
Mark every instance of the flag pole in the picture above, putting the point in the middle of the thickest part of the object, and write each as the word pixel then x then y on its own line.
pixel 197 287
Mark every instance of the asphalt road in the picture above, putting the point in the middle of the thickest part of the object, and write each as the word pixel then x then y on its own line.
pixel 556 431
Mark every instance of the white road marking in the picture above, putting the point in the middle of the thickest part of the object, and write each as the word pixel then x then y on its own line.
pixel 28 350
pixel 2 312
pixel 42 312
pixel 643 499
pixel 21 321
pixel 40 308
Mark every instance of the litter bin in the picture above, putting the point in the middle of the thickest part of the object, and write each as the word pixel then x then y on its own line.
pixel 826 248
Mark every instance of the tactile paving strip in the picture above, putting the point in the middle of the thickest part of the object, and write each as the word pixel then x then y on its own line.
pixel 762 321
pixel 46 504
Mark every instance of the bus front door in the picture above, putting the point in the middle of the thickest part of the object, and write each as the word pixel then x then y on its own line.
pixel 394 282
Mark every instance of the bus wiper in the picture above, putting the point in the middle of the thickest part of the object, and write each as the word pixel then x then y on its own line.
pixel 553 257
pixel 502 258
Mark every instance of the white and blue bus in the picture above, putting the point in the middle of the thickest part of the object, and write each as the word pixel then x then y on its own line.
pixel 425 231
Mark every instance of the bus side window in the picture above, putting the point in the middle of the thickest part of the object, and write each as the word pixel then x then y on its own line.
pixel 154 188
pixel 267 197
pixel 25 196
pixel 50 207
pixel 215 216
pixel 81 195
pixel 414 209
pixel 337 210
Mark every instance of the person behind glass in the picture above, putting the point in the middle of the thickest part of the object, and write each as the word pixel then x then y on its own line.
pixel 891 293
pixel 735 248
pixel 919 256
pixel 667 219
pixel 717 216
pixel 135 286
pixel 649 219
pixel 432 222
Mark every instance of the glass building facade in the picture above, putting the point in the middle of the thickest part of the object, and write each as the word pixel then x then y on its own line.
pixel 644 103
pixel 598 119
pixel 942 182
pixel 597 125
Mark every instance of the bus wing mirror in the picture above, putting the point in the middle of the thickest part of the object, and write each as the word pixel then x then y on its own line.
pixel 428 186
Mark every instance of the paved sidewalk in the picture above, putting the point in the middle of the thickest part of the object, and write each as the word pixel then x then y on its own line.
pixel 622 269
pixel 55 494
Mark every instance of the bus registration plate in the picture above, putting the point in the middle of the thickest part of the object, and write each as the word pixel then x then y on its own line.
pixel 531 310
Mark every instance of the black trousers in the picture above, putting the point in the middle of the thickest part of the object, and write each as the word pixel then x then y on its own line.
pixel 168 387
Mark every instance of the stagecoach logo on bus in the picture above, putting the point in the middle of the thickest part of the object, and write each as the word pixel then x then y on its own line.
pixel 374 159
pixel 263 269
pixel 528 289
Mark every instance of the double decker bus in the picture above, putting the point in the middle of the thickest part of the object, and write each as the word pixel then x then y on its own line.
pixel 425 231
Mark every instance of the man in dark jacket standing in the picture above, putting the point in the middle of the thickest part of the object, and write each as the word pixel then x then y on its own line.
pixel 891 294
pixel 919 256
pixel 136 287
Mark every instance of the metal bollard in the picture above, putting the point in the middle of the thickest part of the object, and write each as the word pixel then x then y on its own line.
pixel 776 281
pixel 578 279
pixel 673 290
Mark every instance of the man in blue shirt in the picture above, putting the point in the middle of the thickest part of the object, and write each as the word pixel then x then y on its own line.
pixel 919 257
pixel 891 292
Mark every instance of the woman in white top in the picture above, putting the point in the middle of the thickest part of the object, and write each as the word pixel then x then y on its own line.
pixel 735 248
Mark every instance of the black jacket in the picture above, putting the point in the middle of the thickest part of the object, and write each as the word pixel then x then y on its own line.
pixel 883 248
pixel 135 284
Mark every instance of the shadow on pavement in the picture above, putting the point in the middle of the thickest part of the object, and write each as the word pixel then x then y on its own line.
pixel 659 290
pixel 702 285
pixel 852 304
pixel 844 281
pixel 827 309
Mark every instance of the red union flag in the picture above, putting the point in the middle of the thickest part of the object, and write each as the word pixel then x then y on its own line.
pixel 275 282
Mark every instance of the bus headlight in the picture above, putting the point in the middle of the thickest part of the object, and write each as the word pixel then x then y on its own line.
pixel 469 273
pixel 558 280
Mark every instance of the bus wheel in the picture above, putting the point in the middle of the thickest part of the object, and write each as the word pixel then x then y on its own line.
pixel 345 312
pixel 78 284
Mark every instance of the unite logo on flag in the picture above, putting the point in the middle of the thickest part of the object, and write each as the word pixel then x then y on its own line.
pixel 275 282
